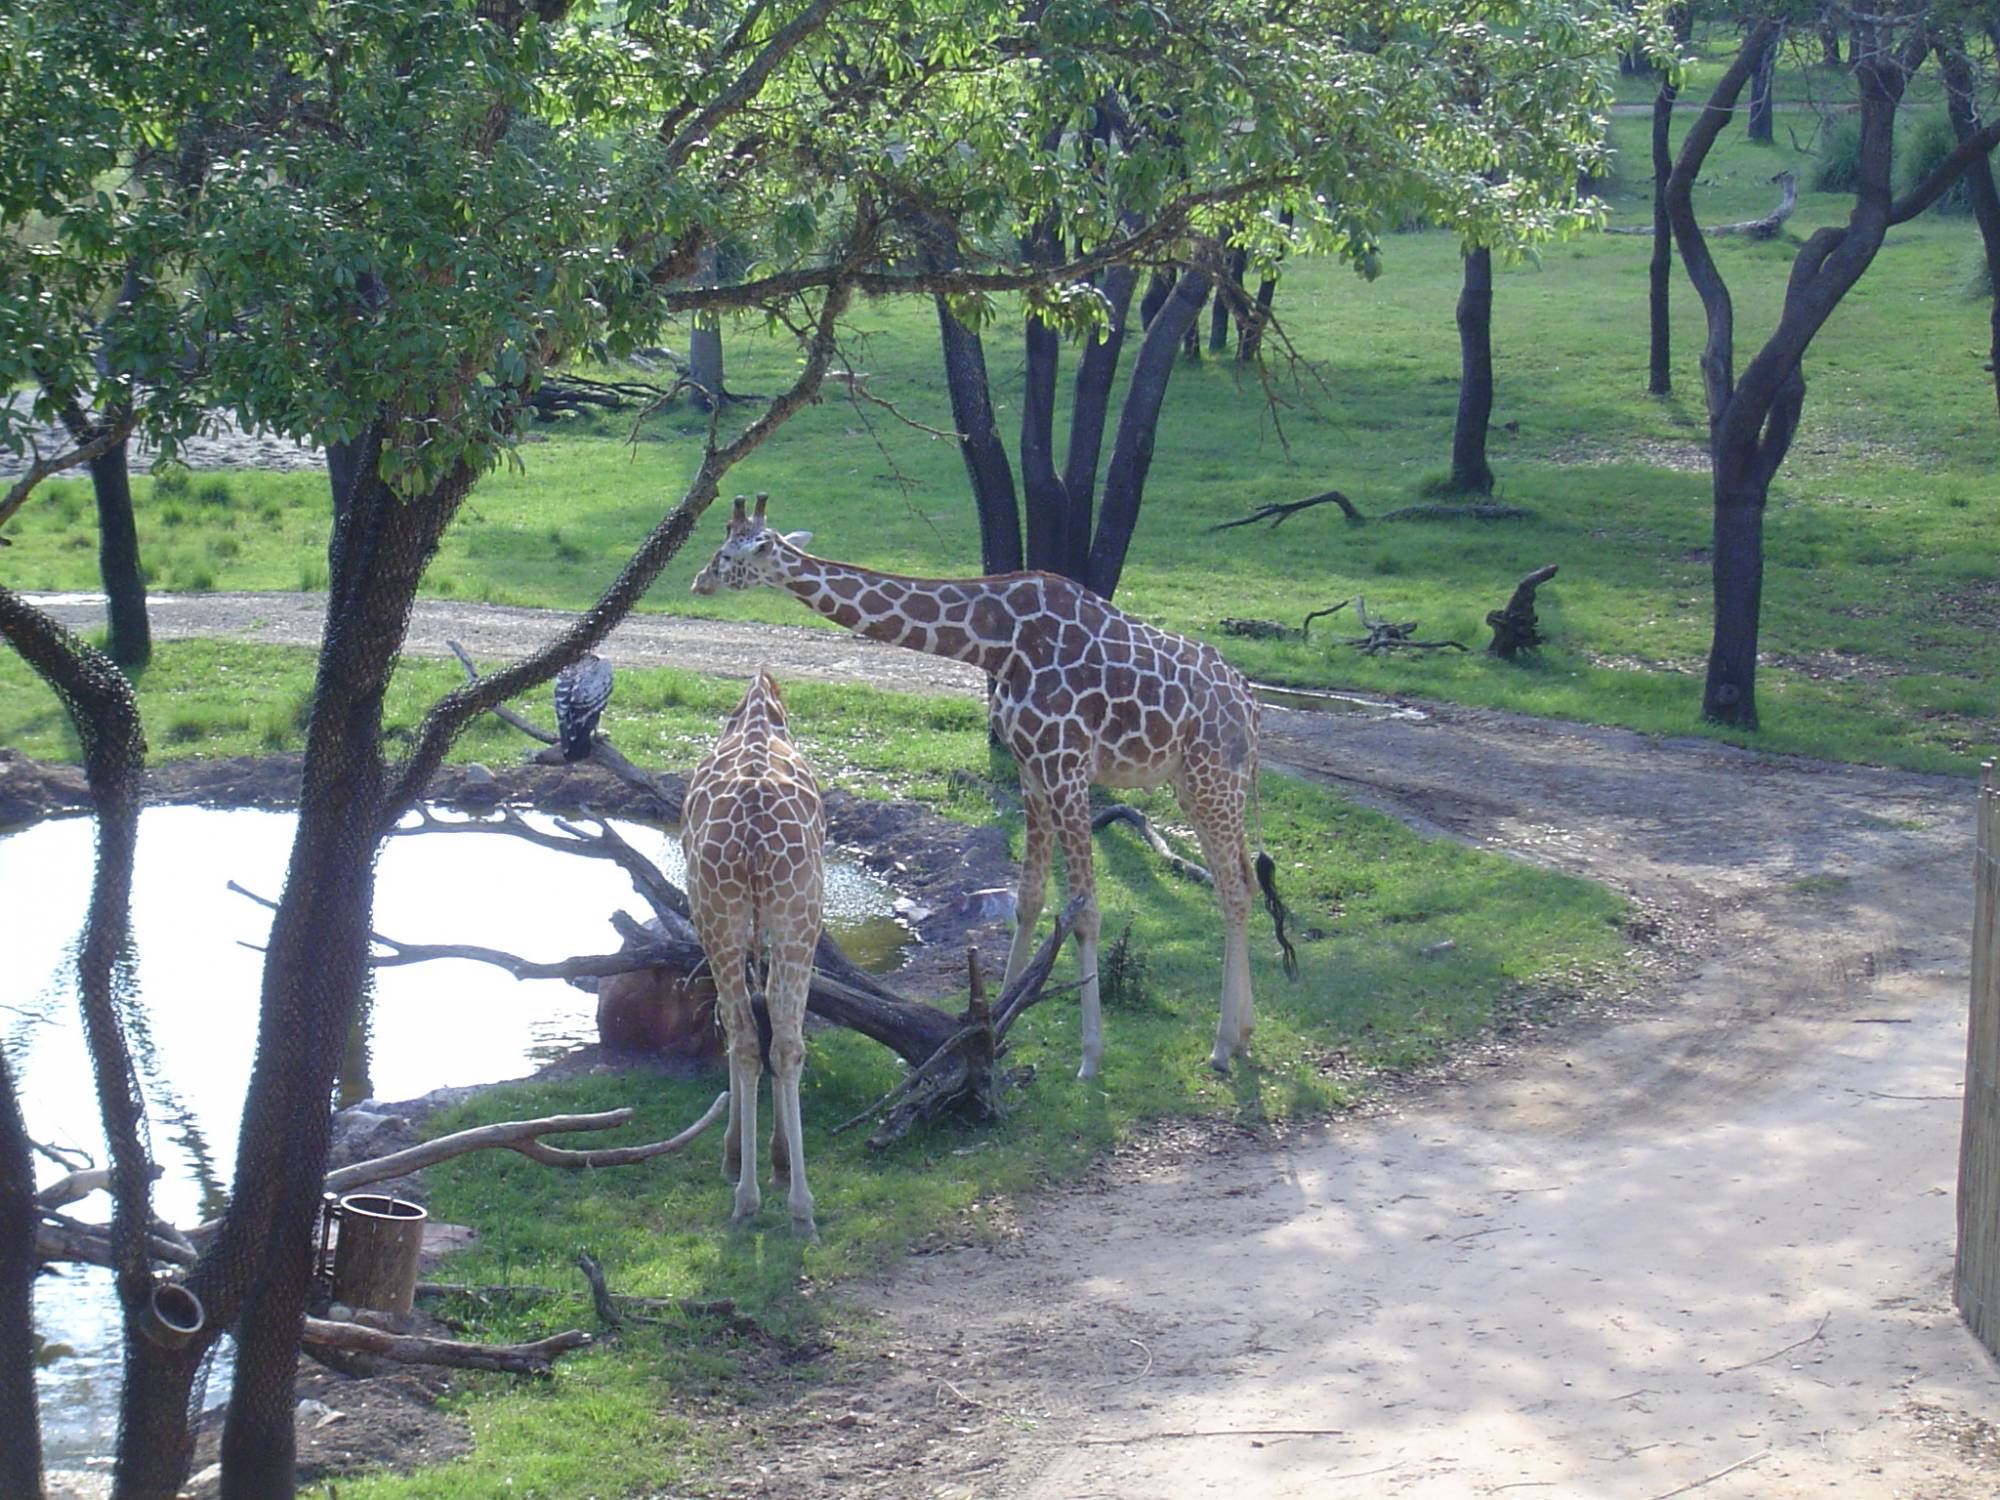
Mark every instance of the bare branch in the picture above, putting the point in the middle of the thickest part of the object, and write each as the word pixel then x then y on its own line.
pixel 409 1349
pixel 1123 812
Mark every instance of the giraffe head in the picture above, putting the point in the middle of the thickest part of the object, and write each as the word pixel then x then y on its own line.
pixel 751 555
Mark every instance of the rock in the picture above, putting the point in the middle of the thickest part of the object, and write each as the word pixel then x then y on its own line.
pixel 659 1011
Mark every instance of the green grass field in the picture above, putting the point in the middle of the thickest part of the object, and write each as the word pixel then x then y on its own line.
pixel 1881 592
pixel 1882 598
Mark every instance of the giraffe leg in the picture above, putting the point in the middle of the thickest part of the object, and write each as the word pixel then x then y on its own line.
pixel 1072 818
pixel 739 1024
pixel 1038 847
pixel 791 974
pixel 1216 810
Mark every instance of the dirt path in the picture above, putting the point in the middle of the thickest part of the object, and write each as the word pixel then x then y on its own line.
pixel 1705 1243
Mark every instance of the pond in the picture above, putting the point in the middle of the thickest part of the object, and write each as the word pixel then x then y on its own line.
pixel 193 1032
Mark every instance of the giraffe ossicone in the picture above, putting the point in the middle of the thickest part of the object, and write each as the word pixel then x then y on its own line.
pixel 753 829
pixel 1083 693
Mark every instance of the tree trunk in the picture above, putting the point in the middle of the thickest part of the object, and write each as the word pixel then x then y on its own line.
pixel 1252 341
pixel 1470 473
pixel 1962 105
pixel 1762 86
pixel 1159 287
pixel 1090 404
pixel 314 973
pixel 1138 424
pixel 1730 695
pixel 21 1454
pixel 979 444
pixel 1228 298
pixel 129 640
pixel 1660 370
pixel 705 361
pixel 1044 498
pixel 1829 41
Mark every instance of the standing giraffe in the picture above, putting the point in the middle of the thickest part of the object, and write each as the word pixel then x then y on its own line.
pixel 1082 693
pixel 752 828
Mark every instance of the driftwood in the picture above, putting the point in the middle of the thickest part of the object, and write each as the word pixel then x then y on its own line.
pixel 1384 635
pixel 962 1075
pixel 1515 628
pixel 1278 514
pixel 1480 511
pixel 1271 630
pixel 1121 812
pixel 321 1334
pixel 1757 229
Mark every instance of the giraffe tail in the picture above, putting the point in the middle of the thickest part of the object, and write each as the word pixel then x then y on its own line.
pixel 1266 873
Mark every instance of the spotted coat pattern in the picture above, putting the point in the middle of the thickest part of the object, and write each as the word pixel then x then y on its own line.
pixel 1083 693
pixel 753 829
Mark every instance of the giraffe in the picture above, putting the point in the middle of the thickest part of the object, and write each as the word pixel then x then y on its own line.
pixel 752 828
pixel 1082 693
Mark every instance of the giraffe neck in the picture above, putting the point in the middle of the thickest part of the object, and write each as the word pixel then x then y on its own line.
pixel 965 619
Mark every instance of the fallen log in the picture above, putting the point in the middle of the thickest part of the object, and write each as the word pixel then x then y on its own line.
pixel 1757 229
pixel 414 1349
pixel 1385 635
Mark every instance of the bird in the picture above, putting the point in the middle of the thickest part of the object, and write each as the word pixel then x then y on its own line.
pixel 582 689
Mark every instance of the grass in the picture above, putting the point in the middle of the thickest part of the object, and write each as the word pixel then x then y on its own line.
pixel 646 1412
pixel 1881 589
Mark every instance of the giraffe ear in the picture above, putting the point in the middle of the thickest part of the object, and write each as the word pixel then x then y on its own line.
pixel 797 538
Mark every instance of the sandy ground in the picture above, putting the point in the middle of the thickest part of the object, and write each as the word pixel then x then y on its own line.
pixel 1703 1243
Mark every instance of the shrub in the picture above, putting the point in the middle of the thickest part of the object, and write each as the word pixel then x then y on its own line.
pixel 214 492
pixel 1839 162
pixel 170 482
pixel 1121 973
pixel 1979 274
pixel 1923 148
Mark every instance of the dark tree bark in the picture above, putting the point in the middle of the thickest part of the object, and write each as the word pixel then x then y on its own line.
pixel 1159 287
pixel 1228 299
pixel 1470 473
pixel 1660 272
pixel 979 444
pixel 101 707
pixel 21 1454
pixel 1752 421
pixel 1962 105
pixel 1138 424
pixel 1044 497
pixel 1762 86
pixel 1829 41
pixel 1090 405
pixel 129 640
pixel 1251 343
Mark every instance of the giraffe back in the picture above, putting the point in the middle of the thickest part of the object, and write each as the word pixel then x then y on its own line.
pixel 753 827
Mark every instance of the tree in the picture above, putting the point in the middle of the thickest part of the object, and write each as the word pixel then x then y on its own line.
pixel 427 208
pixel 1470 473
pixel 1660 270
pixel 1753 419
pixel 1292 128
pixel 1763 88
pixel 1962 106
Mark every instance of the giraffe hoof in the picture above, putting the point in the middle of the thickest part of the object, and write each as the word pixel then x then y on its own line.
pixel 806 1230
pixel 1086 1073
pixel 1219 1061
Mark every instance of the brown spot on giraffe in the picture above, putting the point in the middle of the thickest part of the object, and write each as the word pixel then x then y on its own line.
pixel 753 830
pixel 1082 693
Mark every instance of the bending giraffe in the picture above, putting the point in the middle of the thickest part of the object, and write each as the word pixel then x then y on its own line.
pixel 1082 693
pixel 753 828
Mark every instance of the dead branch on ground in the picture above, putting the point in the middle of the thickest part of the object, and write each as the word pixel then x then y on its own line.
pixel 1278 514
pixel 1385 635
pixel 1271 630
pixel 1123 812
pixel 1765 228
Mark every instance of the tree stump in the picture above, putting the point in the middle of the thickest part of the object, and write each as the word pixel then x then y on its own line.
pixel 1515 628
pixel 375 1258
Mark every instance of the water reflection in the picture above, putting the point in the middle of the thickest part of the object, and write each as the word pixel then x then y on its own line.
pixel 193 1038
